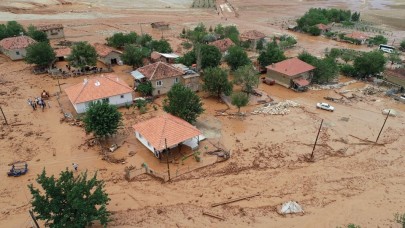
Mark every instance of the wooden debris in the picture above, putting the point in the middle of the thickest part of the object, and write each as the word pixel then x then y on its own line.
pixel 213 215
pixel 235 200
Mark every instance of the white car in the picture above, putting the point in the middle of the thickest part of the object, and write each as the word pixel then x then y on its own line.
pixel 325 106
pixel 402 97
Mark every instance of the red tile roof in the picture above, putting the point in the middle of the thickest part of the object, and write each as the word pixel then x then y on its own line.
pixel 155 55
pixel 60 52
pixel 223 45
pixel 104 50
pixel 49 27
pixel 171 128
pixel 252 35
pixel 16 42
pixel 97 88
pixel 301 81
pixel 291 67
pixel 160 70
pixel 357 35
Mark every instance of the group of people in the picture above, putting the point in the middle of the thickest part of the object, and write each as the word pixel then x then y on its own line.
pixel 37 102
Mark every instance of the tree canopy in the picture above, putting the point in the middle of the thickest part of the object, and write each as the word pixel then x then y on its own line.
pixel 83 54
pixel 326 69
pixel 69 201
pixel 133 55
pixel 40 54
pixel 369 63
pixel 144 40
pixel 377 40
pixel 402 45
pixel 188 59
pixel 145 88
pixel 10 29
pixel 160 46
pixel 272 54
pixel 248 77
pixel 210 56
pixel 102 119
pixel 322 16
pixel 197 34
pixel 239 100
pixel 119 40
pixel 37 35
pixel 216 82
pixel 183 102
pixel 236 57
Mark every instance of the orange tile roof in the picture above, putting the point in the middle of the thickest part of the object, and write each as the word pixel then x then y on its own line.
pixel 104 50
pixel 169 127
pixel 357 35
pixel 160 70
pixel 16 42
pixel 291 67
pixel 223 45
pixel 63 51
pixel 97 88
pixel 252 35
pixel 49 27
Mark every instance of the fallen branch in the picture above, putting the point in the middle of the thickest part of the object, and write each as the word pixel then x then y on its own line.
pixel 367 141
pixel 213 215
pixel 235 200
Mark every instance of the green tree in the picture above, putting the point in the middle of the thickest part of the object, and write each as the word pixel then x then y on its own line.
pixel 220 30
pixel 369 63
pixel 377 40
pixel 315 31
pixel 197 34
pixel 145 88
pixel 3 31
pixel 272 54
pixel 37 35
pixel 402 45
pixel 394 57
pixel 102 119
pixel 161 46
pixel 308 58
pixel 287 42
pixel 236 57
pixel 14 29
pixel 210 56
pixel 325 69
pixel 40 54
pixel 239 100
pixel 248 77
pixel 400 218
pixel 83 54
pixel 188 59
pixel 348 70
pixel 232 33
pixel 260 45
pixel 119 40
pixel 133 55
pixel 144 40
pixel 183 102
pixel 355 16
pixel 70 201
pixel 216 82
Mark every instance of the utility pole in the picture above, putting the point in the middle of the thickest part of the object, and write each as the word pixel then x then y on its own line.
pixel 5 120
pixel 167 160
pixel 388 114
pixel 316 140
pixel 140 25
pixel 33 218
pixel 60 90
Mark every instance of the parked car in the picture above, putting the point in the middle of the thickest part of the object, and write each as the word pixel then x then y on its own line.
pixel 325 106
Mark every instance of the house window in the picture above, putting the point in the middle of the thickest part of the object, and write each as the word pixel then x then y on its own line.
pixel 107 100
pixel 176 80
pixel 159 83
pixel 17 53
pixel 122 96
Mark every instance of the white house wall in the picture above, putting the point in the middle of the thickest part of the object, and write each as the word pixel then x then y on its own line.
pixel 12 54
pixel 114 100
pixel 144 142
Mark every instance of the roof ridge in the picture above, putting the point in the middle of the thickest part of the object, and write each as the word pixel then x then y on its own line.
pixel 78 95
pixel 115 81
pixel 153 74
pixel 163 130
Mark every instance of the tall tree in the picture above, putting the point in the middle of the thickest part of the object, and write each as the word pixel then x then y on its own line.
pixel 216 82
pixel 377 40
pixel 14 29
pixel 119 40
pixel 239 100
pixel 83 54
pixel 102 119
pixel 161 46
pixel 144 40
pixel 40 54
pixel 37 35
pixel 236 57
pixel 369 63
pixel 183 102
pixel 248 77
pixel 210 56
pixel 188 59
pixel 325 69
pixel 70 201
pixel 272 54
pixel 134 55
pixel 3 31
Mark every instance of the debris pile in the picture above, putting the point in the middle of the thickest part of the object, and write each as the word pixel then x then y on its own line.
pixel 333 86
pixel 280 108
pixel 290 207
pixel 371 90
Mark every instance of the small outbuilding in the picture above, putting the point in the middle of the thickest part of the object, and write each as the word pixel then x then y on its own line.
pixel 160 25
pixel 163 57
pixel 53 31
pixel 107 55
pixel 223 45
pixel 291 73
pixel 62 53
pixel 361 37
pixel 109 88
pixel 16 47
pixel 252 36
pixel 190 78
pixel 166 132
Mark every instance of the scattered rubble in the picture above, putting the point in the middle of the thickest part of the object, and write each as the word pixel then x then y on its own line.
pixel 280 108
pixel 333 86
pixel 371 90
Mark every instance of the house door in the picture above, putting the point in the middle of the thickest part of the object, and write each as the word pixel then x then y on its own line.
pixel 61 58
pixel 114 61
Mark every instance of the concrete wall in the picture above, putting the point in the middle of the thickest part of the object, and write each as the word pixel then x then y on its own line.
pixel 107 60
pixel 55 33
pixel 193 83
pixel 393 79
pixel 15 54
pixel 114 100
pixel 167 84
pixel 284 80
